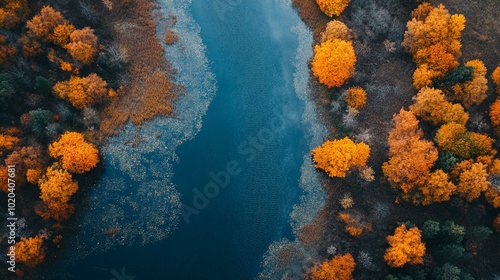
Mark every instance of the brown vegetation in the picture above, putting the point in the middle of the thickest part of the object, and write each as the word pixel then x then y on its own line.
pixel 141 99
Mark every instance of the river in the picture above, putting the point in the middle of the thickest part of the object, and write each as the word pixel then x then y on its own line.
pixel 207 198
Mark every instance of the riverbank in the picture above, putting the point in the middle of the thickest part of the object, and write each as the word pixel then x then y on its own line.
pixel 385 71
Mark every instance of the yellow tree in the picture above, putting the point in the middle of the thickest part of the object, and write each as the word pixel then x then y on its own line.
pixel 431 105
pixel 82 92
pixel 333 63
pixel 332 7
pixel 406 246
pixel 410 156
pixel 83 45
pixel 75 153
pixel 339 156
pixel 473 92
pixel 338 268
pixel 29 251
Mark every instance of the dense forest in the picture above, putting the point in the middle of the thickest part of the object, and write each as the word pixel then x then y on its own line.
pixel 408 90
pixel 410 167
pixel 67 81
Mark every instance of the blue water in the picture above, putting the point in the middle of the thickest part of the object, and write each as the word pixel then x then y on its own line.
pixel 253 137
pixel 252 49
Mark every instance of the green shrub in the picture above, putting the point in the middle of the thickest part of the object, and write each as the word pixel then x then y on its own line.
pixel 39 121
pixel 430 229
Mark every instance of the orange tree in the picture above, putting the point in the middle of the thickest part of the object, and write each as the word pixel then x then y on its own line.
pixel 75 153
pixel 434 26
pixel 406 246
pixel 472 179
pixel 495 115
pixel 333 63
pixel 61 34
pixel 410 156
pixel 455 138
pixel 83 45
pixel 336 29
pixel 495 77
pixel 7 52
pixel 29 251
pixel 437 188
pixel 56 189
pixel 332 7
pixel 356 97
pixel 338 268
pixel 7 143
pixel 492 195
pixel 433 38
pixel 82 92
pixel 43 24
pixel 339 156
pixel 431 105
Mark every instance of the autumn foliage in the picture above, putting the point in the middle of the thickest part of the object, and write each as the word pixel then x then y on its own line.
pixel 356 97
pixel 431 105
pixel 492 195
pixel 336 29
pixel 455 138
pixel 437 188
pixel 473 92
pixel 495 77
pixel 434 26
pixel 82 92
pixel 354 226
pixel 433 38
pixel 83 45
pixel 337 157
pixel 338 268
pixel 56 190
pixel 61 34
pixel 7 52
pixel 496 223
pixel 410 156
pixel 406 246
pixel 332 7
pixel 7 143
pixel 75 153
pixel 42 25
pixel 472 179
pixel 12 12
pixel 495 115
pixel 29 251
pixel 334 61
